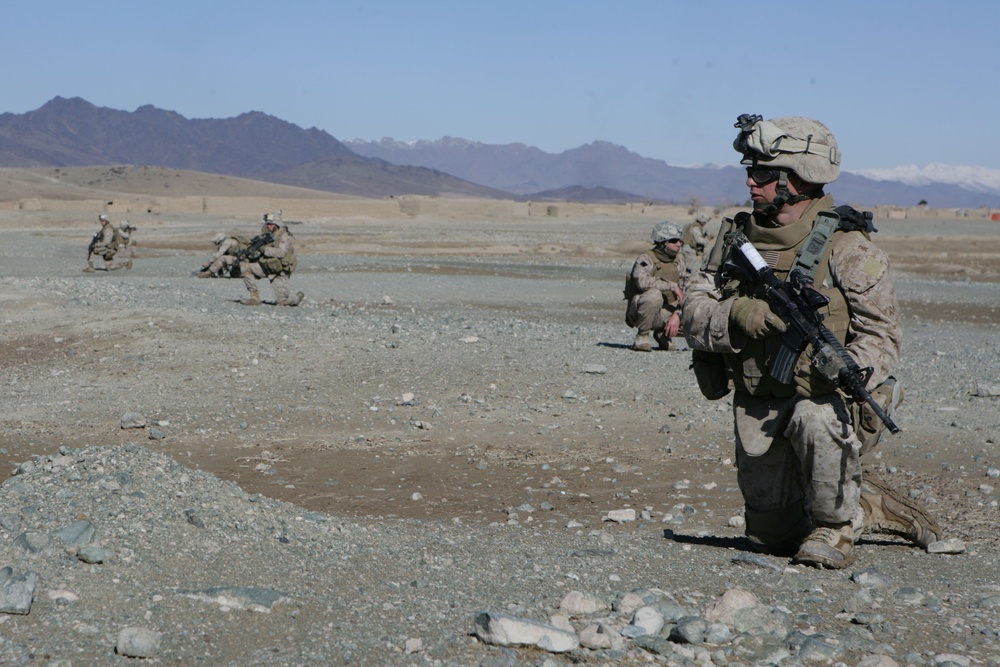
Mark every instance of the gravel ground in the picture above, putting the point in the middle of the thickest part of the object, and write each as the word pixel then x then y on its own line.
pixel 444 428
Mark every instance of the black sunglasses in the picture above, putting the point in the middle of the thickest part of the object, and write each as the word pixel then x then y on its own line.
pixel 760 175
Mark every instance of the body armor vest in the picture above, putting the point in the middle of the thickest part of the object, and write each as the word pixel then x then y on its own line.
pixel 779 247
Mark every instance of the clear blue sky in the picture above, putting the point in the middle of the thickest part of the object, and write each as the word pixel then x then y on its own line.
pixel 899 82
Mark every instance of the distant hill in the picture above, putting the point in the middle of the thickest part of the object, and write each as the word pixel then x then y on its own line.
pixel 75 133
pixel 529 171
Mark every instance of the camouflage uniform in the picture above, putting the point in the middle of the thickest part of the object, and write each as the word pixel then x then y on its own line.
pixel 797 453
pixel 126 249
pixel 653 288
pixel 105 246
pixel 693 241
pixel 224 256
pixel 794 452
pixel 276 263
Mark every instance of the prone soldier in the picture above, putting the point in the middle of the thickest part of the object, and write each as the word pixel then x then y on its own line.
pixel 225 260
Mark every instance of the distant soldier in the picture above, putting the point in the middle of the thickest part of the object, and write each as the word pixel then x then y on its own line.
pixel 126 249
pixel 694 240
pixel 653 290
pixel 104 244
pixel 225 259
pixel 274 259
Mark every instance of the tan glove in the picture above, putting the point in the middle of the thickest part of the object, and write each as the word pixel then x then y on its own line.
pixel 755 318
pixel 810 383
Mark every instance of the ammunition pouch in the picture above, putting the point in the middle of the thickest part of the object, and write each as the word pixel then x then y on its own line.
pixel 867 426
pixel 271 265
pixel 710 371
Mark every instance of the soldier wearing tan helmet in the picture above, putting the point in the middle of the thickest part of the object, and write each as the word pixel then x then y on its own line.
pixel 104 244
pixel 275 260
pixel 653 290
pixel 799 445
pixel 126 250
pixel 694 239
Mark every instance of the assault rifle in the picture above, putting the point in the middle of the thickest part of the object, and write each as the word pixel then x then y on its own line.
pixel 93 242
pixel 253 251
pixel 797 303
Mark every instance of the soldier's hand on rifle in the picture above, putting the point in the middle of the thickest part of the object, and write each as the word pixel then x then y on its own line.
pixel 809 382
pixel 755 318
pixel 253 256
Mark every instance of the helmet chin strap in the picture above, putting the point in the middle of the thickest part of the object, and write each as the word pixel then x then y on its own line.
pixel 784 196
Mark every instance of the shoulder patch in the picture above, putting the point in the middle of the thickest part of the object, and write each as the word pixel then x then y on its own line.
pixel 872 266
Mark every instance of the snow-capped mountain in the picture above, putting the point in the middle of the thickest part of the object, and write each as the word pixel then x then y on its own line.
pixel 976 179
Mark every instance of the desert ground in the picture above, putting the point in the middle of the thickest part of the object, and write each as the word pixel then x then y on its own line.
pixel 452 368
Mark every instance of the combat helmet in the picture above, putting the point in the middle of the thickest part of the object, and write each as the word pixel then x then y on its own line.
pixel 103 218
pixel 802 145
pixel 218 238
pixel 796 144
pixel 703 218
pixel 665 231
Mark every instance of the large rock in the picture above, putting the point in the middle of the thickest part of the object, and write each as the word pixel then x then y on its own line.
pixel 505 630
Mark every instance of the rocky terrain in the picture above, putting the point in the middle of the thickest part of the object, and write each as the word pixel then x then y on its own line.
pixel 447 456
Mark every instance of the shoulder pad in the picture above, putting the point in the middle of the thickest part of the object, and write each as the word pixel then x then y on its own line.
pixel 852 220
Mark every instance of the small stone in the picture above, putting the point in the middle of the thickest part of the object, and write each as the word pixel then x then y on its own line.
pixel 620 516
pixel 133 420
pixel 950 546
pixel 138 642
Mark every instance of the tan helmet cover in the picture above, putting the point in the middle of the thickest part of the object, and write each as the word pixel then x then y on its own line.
pixel 218 238
pixel 802 145
pixel 703 218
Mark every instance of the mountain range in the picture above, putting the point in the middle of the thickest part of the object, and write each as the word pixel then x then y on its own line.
pixel 73 132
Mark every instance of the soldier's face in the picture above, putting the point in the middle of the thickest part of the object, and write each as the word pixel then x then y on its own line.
pixel 762 193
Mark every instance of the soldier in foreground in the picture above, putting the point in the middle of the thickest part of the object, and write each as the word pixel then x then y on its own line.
pixel 799 443
pixel 653 290
pixel 104 244
pixel 694 240
pixel 225 260
pixel 270 255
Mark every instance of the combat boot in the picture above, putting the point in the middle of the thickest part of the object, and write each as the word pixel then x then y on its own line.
pixel 299 298
pixel 887 511
pixel 90 268
pixel 642 342
pixel 252 300
pixel 128 264
pixel 205 273
pixel 663 341
pixel 828 546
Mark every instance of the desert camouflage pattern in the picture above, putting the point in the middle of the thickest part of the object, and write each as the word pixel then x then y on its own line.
pixel 225 255
pixel 797 454
pixel 106 246
pixel 652 288
pixel 276 265
pixel 693 241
